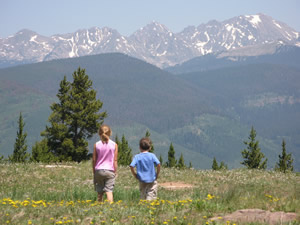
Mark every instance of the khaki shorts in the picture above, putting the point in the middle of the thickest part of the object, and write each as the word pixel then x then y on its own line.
pixel 148 190
pixel 104 181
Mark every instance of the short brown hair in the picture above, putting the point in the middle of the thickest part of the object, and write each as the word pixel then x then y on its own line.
pixel 145 144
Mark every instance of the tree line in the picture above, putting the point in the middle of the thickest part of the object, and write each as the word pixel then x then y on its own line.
pixel 76 118
pixel 254 158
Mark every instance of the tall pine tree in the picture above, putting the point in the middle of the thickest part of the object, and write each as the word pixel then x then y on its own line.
pixel 74 119
pixel 181 164
pixel 171 157
pixel 124 152
pixel 215 165
pixel 148 136
pixel 285 162
pixel 252 155
pixel 20 154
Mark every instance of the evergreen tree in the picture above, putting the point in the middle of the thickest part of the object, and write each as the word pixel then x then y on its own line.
pixel 190 165
pixel 1 157
pixel 215 165
pixel 124 153
pixel 252 155
pixel 148 136
pixel 117 141
pixel 223 166
pixel 161 160
pixel 20 155
pixel 285 162
pixel 40 153
pixel 171 157
pixel 74 119
pixel 180 163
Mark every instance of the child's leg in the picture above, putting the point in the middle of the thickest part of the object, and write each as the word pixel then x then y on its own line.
pixel 151 191
pixel 110 196
pixel 143 190
pixel 100 196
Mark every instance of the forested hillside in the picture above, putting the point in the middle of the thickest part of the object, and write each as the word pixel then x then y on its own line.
pixel 205 114
pixel 265 96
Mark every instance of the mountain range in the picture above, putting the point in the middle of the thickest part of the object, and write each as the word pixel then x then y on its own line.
pixel 201 89
pixel 154 43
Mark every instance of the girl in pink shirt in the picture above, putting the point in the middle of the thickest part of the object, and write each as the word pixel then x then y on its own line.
pixel 105 164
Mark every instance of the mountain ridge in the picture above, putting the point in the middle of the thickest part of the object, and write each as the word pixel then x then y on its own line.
pixel 274 53
pixel 153 43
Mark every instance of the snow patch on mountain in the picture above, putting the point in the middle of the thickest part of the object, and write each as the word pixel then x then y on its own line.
pixel 254 19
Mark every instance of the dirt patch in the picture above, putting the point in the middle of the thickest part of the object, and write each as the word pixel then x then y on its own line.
pixel 175 185
pixel 258 215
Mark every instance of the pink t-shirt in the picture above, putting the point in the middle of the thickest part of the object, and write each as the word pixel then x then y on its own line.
pixel 105 155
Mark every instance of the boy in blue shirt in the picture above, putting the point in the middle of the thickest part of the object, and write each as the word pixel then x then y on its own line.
pixel 144 163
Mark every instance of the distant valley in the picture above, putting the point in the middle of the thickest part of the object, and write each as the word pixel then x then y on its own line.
pixel 205 114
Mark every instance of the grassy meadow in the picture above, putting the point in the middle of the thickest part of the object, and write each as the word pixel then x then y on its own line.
pixel 64 194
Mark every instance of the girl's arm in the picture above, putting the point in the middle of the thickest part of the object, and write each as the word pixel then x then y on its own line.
pixel 94 158
pixel 116 159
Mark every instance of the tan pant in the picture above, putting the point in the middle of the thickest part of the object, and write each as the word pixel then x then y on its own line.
pixel 104 181
pixel 148 190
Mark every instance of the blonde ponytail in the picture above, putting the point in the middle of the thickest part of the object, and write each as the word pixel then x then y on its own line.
pixel 104 133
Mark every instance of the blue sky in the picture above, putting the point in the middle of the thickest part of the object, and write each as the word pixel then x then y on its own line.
pixel 48 17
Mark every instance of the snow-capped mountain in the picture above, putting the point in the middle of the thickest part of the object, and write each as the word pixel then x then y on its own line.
pixel 89 41
pixel 154 43
pixel 237 32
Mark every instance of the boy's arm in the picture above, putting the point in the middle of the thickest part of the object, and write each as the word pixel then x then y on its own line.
pixel 133 172
pixel 157 171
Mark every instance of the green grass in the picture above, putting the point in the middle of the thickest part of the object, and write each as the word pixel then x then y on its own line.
pixel 36 194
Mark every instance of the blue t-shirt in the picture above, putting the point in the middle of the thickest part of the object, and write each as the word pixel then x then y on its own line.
pixel 144 163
